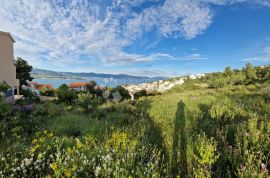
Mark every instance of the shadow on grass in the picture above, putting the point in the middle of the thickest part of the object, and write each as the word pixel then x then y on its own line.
pixel 179 155
pixel 152 135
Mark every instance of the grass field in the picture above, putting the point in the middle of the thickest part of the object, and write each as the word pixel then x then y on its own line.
pixel 190 131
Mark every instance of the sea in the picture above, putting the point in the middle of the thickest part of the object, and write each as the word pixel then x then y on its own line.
pixel 110 82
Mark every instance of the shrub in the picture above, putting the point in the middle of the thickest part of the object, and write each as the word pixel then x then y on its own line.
pixel 218 83
pixel 49 110
pixel 222 110
pixel 90 87
pixel 47 92
pixel 88 101
pixel 66 95
pixel 29 97
pixel 205 156
pixel 4 87
pixel 140 94
pixel 266 93
pixel 50 156
pixel 5 110
pixel 119 92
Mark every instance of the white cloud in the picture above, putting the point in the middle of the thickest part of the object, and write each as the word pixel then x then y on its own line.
pixel 175 18
pixel 195 56
pixel 263 56
pixel 57 32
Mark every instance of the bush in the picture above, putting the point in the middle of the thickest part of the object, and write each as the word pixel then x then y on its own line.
pixel 4 87
pixel 50 156
pixel 205 156
pixel 119 93
pixel 66 95
pixel 5 110
pixel 47 92
pixel 88 101
pixel 218 83
pixel 140 94
pixel 222 110
pixel 49 110
pixel 266 93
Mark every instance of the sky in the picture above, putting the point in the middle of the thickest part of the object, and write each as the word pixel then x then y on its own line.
pixel 139 37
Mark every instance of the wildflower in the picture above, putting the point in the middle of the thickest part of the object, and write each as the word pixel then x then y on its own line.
pixel 74 168
pixel 51 134
pixel 78 144
pixel 68 173
pixel 53 166
pixel 40 156
pixel 42 139
pixel 45 131
pixel 263 167
pixel 34 141
pixel 97 171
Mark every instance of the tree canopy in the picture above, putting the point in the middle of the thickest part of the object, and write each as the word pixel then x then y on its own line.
pixel 23 70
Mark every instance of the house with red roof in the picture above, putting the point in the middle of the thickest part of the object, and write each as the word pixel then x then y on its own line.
pixel 81 86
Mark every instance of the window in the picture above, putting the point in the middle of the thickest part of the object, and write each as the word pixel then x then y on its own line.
pixel 9 93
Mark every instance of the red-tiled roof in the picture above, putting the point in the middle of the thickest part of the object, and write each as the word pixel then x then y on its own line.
pixel 77 84
pixel 42 86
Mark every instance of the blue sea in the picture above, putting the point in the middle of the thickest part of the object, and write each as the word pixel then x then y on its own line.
pixel 111 82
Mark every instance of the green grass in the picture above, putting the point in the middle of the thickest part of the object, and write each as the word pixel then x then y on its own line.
pixel 162 109
pixel 77 125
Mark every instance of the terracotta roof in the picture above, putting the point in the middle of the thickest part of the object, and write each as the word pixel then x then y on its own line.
pixel 77 84
pixel 42 86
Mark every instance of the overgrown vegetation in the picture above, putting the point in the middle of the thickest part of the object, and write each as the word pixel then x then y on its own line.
pixel 215 126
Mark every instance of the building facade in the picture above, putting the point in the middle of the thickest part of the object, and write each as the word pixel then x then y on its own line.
pixel 7 66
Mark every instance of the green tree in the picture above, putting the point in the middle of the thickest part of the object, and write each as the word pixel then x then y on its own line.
pixel 66 95
pixel 228 71
pixel 250 72
pixel 90 87
pixel 23 70
pixel 4 87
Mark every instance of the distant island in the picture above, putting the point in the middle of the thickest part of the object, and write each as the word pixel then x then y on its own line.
pixel 57 78
pixel 41 73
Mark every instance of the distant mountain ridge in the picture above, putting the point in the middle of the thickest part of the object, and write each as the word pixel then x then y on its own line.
pixel 41 73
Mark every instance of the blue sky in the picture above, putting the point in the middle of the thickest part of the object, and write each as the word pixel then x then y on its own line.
pixel 139 37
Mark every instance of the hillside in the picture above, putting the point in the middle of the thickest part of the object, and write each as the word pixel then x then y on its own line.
pixel 213 126
pixel 40 73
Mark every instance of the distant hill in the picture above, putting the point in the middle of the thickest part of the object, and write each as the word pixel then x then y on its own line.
pixel 41 73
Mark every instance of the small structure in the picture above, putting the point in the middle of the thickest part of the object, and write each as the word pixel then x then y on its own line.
pixel 34 86
pixel 81 86
pixel 43 86
pixel 7 66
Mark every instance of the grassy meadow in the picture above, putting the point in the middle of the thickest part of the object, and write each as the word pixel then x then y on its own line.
pixel 216 126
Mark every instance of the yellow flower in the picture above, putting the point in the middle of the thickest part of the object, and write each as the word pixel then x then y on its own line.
pixel 37 133
pixel 42 139
pixel 33 150
pixel 40 156
pixel 69 151
pixel 51 135
pixel 74 168
pixel 48 176
pixel 78 144
pixel 45 131
pixel 68 173
pixel 34 141
pixel 53 166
